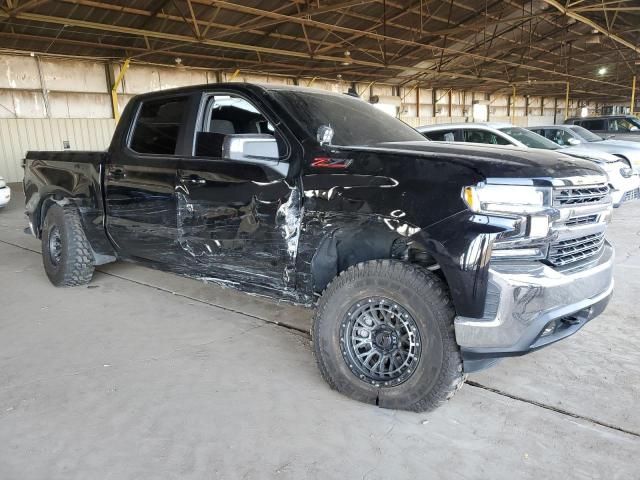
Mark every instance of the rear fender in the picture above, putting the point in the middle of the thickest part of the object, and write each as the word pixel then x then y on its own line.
pixel 103 252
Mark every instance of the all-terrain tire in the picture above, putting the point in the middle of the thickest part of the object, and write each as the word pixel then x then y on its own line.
pixel 438 373
pixel 71 264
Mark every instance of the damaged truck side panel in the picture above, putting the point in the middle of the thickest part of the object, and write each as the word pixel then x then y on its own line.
pixel 319 199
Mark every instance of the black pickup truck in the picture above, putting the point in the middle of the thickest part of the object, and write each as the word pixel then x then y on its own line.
pixel 423 261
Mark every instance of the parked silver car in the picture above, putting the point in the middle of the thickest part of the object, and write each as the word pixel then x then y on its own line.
pixel 624 127
pixel 575 135
pixel 625 185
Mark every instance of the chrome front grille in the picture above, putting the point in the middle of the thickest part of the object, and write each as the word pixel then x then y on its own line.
pixel 580 231
pixel 583 220
pixel 575 249
pixel 631 195
pixel 580 195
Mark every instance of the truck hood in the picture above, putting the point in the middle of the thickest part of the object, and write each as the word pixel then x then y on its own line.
pixel 497 161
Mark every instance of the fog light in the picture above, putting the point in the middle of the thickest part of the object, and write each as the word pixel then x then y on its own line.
pixel 549 328
pixel 538 226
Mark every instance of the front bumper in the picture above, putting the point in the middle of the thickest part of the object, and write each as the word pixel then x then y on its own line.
pixel 623 189
pixel 524 299
pixel 5 196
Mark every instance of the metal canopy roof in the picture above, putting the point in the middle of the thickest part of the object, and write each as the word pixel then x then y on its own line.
pixel 487 45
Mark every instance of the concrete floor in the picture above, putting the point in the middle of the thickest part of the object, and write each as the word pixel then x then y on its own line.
pixel 145 375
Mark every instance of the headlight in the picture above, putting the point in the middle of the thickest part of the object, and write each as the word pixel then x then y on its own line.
pixel 3 183
pixel 517 199
pixel 626 172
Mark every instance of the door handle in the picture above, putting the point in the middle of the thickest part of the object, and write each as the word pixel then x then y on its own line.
pixel 193 179
pixel 116 173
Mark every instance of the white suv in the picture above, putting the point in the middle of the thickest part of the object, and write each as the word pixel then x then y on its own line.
pixel 625 185
pixel 5 193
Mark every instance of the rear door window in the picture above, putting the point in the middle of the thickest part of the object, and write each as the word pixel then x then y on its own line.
pixel 441 135
pixel 158 125
pixel 593 124
pixel 473 135
pixel 557 135
pixel 621 125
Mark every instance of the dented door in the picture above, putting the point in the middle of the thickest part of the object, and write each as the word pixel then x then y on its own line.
pixel 238 222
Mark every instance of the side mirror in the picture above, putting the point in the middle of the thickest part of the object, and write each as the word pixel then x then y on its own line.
pixel 574 141
pixel 324 135
pixel 256 149
pixel 250 147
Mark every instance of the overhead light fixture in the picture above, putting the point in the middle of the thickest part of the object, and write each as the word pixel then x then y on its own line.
pixel 602 70
pixel 347 58
pixel 592 39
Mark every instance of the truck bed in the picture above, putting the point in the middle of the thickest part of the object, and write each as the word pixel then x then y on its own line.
pixel 68 176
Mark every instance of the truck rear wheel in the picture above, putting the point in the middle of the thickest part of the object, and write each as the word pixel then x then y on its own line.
pixel 383 334
pixel 66 254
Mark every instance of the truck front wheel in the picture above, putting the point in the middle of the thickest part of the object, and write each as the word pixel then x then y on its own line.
pixel 383 334
pixel 66 254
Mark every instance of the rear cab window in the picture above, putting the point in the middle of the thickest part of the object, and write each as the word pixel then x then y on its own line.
pixel 158 125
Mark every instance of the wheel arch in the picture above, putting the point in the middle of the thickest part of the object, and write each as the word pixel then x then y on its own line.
pixel 347 246
pixel 102 250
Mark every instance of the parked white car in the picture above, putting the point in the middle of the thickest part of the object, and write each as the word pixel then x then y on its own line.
pixel 624 183
pixel 5 192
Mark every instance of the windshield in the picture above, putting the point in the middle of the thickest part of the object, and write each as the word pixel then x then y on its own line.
pixel 354 121
pixel 585 134
pixel 530 139
pixel 630 123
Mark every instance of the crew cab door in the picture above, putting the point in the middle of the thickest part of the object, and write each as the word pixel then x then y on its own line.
pixel 238 214
pixel 140 180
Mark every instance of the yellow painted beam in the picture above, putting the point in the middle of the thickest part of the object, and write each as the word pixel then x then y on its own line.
pixel 366 88
pixel 114 90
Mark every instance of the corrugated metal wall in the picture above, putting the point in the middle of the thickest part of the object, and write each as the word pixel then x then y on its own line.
pixel 17 135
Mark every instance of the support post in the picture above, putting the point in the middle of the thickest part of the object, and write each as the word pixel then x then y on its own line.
pixel 633 94
pixel 566 103
pixel 418 101
pixel 512 112
pixel 114 90
pixel 434 100
pixel 45 91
